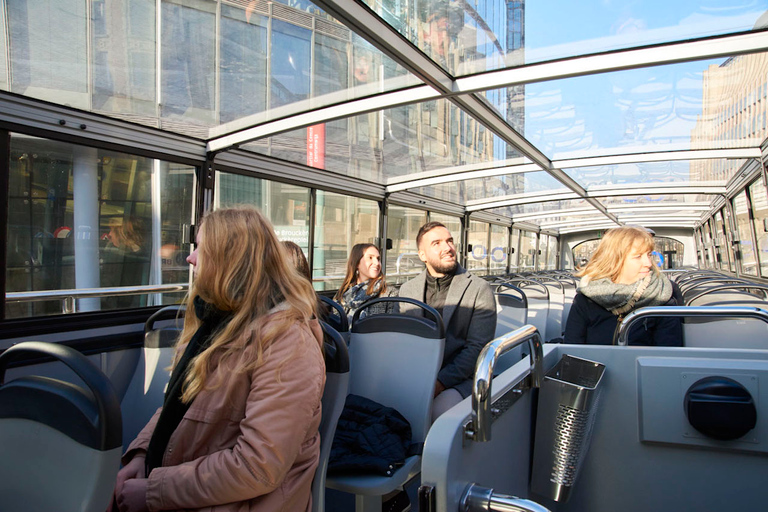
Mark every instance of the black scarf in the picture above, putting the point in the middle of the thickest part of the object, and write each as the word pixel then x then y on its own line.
pixel 173 408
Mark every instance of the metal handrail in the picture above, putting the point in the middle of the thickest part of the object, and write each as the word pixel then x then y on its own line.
pixel 69 296
pixel 483 499
pixel 486 361
pixel 688 311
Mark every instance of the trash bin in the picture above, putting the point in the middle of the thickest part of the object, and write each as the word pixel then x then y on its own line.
pixel 568 399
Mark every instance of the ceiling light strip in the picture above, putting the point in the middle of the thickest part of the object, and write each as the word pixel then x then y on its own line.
pixel 487 173
pixel 657 55
pixel 661 156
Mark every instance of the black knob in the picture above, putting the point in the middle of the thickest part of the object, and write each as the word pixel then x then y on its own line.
pixel 720 408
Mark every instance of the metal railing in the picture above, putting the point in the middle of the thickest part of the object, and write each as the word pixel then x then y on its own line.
pixel 688 311
pixel 69 297
pixel 479 429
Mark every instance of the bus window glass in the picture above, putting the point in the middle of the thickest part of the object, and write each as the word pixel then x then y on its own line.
pixel 453 224
pixel 552 253
pixel 340 222
pixel 719 240
pixel 527 261
pixel 707 233
pixel 498 249
pixel 669 252
pixel 744 227
pixel 729 244
pixel 477 240
pixel 188 53
pixel 760 214
pixel 286 206
pixel 403 225
pixel 583 252
pixel 82 217
pixel 543 246
pixel 514 250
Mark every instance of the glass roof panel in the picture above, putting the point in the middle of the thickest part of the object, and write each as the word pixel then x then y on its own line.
pixel 715 171
pixel 395 142
pixel 497 186
pixel 542 208
pixel 214 62
pixel 470 37
pixel 714 104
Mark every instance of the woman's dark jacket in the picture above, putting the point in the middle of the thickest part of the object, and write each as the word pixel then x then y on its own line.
pixel 592 324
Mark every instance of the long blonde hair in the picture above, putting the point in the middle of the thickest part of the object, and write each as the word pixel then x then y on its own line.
pixel 350 280
pixel 608 259
pixel 242 269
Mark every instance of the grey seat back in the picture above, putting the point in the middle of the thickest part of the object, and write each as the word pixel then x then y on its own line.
pixel 60 444
pixel 511 309
pixel 335 315
pixel 538 304
pixel 146 390
pixel 334 396
pixel 394 359
pixel 511 314
pixel 730 332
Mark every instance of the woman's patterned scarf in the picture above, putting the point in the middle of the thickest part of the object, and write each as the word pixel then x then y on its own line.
pixel 653 290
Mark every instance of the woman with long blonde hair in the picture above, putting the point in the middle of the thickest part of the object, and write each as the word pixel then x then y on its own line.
pixel 238 429
pixel 619 278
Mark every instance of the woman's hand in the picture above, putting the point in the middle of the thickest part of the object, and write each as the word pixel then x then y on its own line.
pixel 134 469
pixel 133 496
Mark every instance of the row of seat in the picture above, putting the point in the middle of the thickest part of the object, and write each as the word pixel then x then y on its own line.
pixel 714 289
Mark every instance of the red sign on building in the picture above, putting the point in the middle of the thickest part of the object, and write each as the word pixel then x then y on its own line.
pixel 316 146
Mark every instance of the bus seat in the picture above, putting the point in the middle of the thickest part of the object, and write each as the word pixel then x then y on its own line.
pixel 555 316
pixel 334 396
pixel 511 309
pixel 569 290
pixel 538 305
pixel 336 317
pixel 394 359
pixel 60 444
pixel 147 388
pixel 511 314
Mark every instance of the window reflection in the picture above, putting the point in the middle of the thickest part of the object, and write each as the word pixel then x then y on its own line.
pixel 477 256
pixel 403 258
pixel 760 214
pixel 527 261
pixel 340 222
pixel 744 227
pixel 86 218
pixel 498 249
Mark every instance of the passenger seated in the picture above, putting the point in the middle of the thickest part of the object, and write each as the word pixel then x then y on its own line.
pixel 466 304
pixel 238 429
pixel 620 278
pixel 364 281
pixel 297 258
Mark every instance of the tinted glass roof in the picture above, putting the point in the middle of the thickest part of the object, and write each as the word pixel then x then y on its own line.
pixel 563 115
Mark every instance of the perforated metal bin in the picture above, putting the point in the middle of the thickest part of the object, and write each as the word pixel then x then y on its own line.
pixel 568 400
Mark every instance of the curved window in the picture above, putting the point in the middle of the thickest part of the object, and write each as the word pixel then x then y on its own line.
pixel 668 252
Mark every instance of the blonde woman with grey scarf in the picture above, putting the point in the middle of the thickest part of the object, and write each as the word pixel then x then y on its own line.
pixel 620 278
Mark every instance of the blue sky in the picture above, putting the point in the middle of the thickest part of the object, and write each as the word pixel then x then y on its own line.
pixel 627 110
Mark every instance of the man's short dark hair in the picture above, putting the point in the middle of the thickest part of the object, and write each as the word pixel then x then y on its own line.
pixel 429 226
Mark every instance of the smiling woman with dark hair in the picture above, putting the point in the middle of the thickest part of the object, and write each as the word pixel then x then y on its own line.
pixel 364 280
pixel 620 278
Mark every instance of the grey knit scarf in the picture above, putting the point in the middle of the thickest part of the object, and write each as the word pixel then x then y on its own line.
pixel 653 290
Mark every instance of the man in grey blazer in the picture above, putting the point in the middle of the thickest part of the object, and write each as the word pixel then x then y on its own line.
pixel 466 304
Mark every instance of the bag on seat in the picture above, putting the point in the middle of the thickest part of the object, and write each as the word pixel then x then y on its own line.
pixel 370 437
